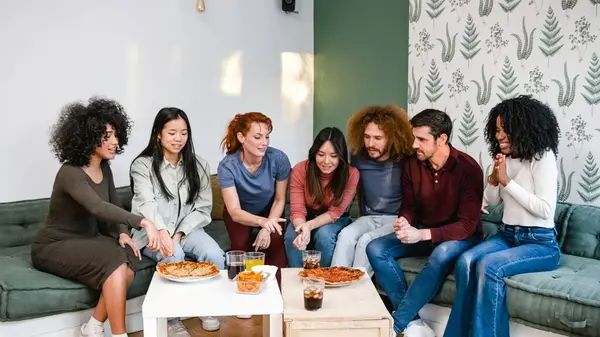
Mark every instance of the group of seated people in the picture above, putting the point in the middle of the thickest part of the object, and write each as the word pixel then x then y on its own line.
pixel 418 196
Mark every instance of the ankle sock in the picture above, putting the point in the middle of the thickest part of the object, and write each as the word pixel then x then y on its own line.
pixel 120 335
pixel 94 321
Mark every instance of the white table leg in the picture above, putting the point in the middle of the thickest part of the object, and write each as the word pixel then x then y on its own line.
pixel 155 327
pixel 272 325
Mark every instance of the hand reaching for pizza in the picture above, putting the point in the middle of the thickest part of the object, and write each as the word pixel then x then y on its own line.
pixel 263 240
pixel 166 244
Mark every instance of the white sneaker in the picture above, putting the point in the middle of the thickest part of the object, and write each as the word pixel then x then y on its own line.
pixel 210 323
pixel 91 331
pixel 418 328
pixel 175 328
pixel 244 316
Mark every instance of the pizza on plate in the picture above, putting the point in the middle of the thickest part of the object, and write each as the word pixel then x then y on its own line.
pixel 333 275
pixel 187 269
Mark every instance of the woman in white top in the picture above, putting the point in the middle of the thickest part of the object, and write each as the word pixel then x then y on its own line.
pixel 171 186
pixel 522 134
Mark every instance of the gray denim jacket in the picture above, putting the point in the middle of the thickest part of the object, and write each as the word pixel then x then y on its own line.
pixel 149 201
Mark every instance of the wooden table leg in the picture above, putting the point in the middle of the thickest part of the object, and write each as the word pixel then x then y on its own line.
pixel 272 325
pixel 155 327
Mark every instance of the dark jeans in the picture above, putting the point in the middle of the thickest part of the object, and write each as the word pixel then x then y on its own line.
pixel 480 304
pixel 384 251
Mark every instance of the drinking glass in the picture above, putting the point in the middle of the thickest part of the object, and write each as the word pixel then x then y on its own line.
pixel 313 293
pixel 311 259
pixel 252 259
pixel 235 263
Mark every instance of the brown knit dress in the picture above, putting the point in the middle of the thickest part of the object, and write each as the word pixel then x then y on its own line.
pixel 79 240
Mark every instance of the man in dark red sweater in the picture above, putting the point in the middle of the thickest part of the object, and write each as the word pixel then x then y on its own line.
pixel 442 192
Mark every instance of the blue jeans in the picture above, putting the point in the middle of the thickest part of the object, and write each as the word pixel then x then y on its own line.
pixel 384 251
pixel 322 239
pixel 197 245
pixel 480 302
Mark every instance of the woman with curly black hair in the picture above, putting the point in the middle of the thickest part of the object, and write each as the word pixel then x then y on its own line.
pixel 86 234
pixel 522 134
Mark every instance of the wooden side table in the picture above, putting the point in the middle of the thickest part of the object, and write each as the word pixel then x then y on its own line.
pixel 351 311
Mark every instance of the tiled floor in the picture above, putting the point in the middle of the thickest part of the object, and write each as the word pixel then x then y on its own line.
pixel 230 327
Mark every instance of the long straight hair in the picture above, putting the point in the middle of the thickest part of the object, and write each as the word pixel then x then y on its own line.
pixel 338 182
pixel 191 166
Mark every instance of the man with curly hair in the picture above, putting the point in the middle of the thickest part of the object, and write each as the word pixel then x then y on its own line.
pixel 442 190
pixel 379 138
pixel 86 234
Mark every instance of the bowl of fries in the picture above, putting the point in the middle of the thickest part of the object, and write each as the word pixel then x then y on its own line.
pixel 250 282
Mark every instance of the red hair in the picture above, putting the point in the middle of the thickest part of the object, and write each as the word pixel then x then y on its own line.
pixel 242 123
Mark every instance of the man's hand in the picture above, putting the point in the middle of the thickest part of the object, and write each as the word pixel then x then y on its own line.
pixel 401 223
pixel 409 235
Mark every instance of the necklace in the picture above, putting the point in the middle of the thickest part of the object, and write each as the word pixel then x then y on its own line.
pixel 251 167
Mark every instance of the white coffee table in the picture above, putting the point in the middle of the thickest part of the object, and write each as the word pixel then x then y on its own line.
pixel 214 297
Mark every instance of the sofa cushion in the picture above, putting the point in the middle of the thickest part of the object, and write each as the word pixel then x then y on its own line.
pixel 582 237
pixel 564 300
pixel 26 292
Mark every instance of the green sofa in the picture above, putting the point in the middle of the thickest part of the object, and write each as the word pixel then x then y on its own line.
pixel 565 301
pixel 27 293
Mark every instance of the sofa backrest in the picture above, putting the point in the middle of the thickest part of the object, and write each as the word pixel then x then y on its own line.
pixel 578 227
pixel 20 220
pixel 582 237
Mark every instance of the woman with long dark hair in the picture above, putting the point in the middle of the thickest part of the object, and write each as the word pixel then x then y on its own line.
pixel 321 189
pixel 522 134
pixel 171 186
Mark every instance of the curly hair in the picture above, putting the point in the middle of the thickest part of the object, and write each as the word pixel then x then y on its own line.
pixel 530 125
pixel 81 129
pixel 392 120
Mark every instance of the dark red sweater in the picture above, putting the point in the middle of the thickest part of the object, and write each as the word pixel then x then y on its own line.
pixel 447 201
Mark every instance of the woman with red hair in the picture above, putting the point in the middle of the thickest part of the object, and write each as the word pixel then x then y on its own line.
pixel 254 178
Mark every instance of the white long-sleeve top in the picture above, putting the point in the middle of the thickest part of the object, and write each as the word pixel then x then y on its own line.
pixel 530 196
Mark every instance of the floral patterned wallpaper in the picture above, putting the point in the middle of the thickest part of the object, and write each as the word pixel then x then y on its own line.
pixel 468 55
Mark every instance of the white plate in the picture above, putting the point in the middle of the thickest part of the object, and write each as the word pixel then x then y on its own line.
pixel 339 285
pixel 188 279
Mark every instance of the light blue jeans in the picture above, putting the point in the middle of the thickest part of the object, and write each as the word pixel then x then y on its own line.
pixel 480 307
pixel 351 247
pixel 197 245
pixel 322 239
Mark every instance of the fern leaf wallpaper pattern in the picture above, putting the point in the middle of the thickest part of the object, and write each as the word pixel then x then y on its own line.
pixel 465 56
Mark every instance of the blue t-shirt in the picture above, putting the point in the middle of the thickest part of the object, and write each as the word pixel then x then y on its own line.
pixel 380 186
pixel 256 192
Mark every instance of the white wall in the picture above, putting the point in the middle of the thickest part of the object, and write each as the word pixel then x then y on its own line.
pixel 237 56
